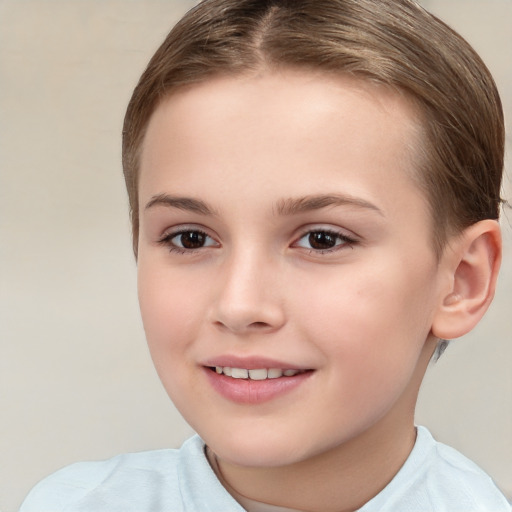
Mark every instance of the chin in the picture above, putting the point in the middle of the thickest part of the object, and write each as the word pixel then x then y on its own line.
pixel 256 455
pixel 266 448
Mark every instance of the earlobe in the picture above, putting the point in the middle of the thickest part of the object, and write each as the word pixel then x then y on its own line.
pixel 473 260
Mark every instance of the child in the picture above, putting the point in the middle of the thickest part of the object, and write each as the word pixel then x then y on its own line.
pixel 314 190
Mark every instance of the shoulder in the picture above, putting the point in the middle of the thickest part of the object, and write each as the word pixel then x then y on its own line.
pixel 455 475
pixel 125 482
pixel 438 477
pixel 154 481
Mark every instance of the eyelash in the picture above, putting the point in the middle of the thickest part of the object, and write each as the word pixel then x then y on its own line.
pixel 167 241
pixel 345 241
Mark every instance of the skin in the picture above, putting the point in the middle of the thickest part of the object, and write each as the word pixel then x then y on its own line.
pixel 359 315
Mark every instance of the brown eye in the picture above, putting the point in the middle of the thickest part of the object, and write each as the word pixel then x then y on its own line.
pixel 322 240
pixel 190 239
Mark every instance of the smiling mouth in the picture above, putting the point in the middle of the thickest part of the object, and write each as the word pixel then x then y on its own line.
pixel 256 374
pixel 256 384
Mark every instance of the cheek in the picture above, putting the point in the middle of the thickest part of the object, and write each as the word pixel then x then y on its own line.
pixel 361 305
pixel 169 315
pixel 371 339
pixel 374 319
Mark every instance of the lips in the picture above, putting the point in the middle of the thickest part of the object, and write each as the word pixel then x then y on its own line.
pixel 256 373
pixel 253 380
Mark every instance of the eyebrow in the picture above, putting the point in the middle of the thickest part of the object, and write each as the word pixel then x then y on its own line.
pixel 294 206
pixel 182 203
pixel 284 207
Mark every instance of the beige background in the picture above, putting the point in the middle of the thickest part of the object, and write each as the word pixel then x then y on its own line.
pixel 76 381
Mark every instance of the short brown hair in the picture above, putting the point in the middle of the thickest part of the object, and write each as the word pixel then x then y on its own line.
pixel 392 42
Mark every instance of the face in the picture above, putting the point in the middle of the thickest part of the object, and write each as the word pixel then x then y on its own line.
pixel 287 276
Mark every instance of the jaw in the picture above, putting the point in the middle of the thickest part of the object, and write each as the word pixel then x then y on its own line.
pixel 344 477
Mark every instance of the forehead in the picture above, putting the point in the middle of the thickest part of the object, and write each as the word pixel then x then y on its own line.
pixel 285 94
pixel 290 126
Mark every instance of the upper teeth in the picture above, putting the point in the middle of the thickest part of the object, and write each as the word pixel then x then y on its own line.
pixel 256 374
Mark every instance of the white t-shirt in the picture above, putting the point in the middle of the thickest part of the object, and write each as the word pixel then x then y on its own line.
pixel 434 478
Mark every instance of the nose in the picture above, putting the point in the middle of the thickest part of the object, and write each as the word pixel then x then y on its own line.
pixel 249 297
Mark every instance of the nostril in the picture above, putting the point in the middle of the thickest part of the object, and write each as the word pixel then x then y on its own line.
pixel 259 325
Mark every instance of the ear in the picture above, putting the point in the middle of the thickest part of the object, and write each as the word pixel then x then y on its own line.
pixel 471 262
